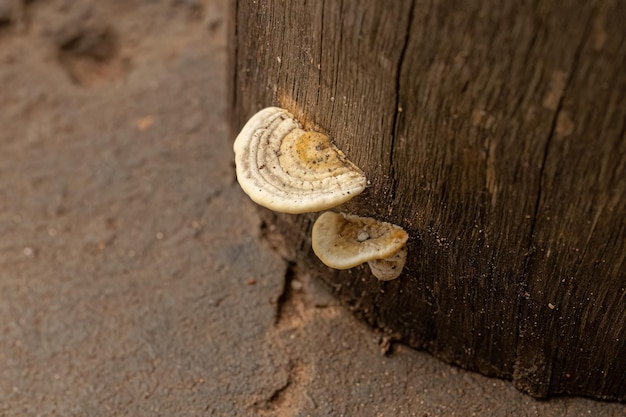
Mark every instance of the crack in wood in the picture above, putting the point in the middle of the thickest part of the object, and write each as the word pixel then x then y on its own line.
pixel 233 58
pixel 321 53
pixel 398 110
pixel 552 131
pixel 522 372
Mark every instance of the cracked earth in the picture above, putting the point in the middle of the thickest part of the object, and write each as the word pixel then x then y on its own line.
pixel 136 278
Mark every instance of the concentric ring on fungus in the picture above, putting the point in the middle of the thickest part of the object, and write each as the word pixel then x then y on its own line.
pixel 289 170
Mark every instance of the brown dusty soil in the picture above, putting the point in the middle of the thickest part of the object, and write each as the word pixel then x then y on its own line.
pixel 134 276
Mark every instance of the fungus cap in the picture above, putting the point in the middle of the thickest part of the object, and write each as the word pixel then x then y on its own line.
pixel 389 268
pixel 289 170
pixel 343 241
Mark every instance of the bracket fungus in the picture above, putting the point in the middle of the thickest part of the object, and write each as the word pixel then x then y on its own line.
pixel 343 241
pixel 289 170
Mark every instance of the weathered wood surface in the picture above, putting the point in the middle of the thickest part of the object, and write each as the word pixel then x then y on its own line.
pixel 495 134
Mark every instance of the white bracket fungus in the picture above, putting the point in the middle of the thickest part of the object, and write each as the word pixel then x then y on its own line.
pixel 286 169
pixel 343 241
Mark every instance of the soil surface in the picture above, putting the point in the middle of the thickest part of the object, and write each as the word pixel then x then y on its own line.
pixel 135 276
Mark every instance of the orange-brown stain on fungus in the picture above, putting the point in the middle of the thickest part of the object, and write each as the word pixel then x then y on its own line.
pixel 290 170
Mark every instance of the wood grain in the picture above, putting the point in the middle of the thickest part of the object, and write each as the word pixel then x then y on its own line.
pixel 495 134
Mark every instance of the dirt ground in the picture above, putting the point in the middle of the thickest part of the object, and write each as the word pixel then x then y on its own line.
pixel 134 277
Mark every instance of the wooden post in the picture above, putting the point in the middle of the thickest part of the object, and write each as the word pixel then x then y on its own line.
pixel 494 133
